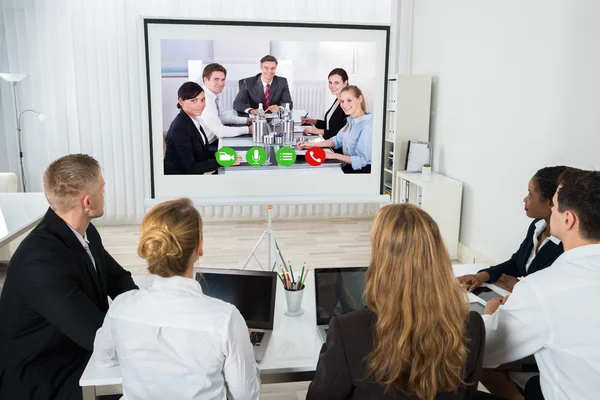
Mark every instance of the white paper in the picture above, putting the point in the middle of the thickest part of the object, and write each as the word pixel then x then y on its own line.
pixel 418 155
pixel 242 153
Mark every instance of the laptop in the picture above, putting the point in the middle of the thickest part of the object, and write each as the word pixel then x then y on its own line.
pixel 338 291
pixel 252 293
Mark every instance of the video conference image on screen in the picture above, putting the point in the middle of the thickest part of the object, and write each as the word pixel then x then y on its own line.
pixel 265 115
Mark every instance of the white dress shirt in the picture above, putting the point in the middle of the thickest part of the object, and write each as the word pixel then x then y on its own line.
pixel 247 110
pixel 553 314
pixel 197 124
pixel 213 120
pixel 330 113
pixel 173 342
pixel 540 227
pixel 85 243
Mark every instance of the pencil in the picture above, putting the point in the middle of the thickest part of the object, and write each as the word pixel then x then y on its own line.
pixel 301 275
pixel 292 272
pixel 302 285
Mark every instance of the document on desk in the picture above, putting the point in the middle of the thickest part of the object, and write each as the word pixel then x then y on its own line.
pixel 242 154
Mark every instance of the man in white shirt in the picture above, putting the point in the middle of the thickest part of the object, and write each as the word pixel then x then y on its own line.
pixel 213 116
pixel 552 313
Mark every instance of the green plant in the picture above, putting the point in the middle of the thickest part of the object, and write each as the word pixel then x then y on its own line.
pixel 427 165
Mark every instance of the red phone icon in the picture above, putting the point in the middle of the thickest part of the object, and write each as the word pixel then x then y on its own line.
pixel 315 156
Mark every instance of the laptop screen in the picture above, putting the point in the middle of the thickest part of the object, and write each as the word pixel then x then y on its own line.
pixel 251 292
pixel 338 291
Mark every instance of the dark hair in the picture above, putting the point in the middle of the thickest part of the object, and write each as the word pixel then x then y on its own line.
pixel 341 72
pixel 169 236
pixel 579 192
pixel 268 58
pixel 546 181
pixel 214 67
pixel 188 90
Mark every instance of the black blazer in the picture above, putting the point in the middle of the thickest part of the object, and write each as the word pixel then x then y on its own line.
pixel 52 304
pixel 516 265
pixel 341 369
pixel 252 92
pixel 337 122
pixel 186 152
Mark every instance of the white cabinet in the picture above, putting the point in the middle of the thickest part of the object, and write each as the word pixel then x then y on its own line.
pixel 437 194
pixel 407 118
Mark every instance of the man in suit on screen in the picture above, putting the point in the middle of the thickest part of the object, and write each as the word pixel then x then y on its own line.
pixel 266 88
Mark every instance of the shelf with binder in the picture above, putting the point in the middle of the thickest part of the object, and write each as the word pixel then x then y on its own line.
pixel 408 108
pixel 437 194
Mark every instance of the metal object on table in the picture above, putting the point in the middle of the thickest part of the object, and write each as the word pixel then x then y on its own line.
pixel 259 130
pixel 279 138
pixel 268 139
pixel 288 131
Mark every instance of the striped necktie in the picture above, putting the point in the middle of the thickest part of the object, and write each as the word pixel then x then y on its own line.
pixel 267 94
pixel 87 248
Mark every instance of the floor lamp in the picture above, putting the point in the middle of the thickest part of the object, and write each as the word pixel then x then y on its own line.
pixel 14 79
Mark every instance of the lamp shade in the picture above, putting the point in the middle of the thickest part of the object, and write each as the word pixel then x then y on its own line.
pixel 10 77
pixel 42 117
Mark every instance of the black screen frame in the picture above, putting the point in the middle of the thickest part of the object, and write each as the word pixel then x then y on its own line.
pixel 267 325
pixel 384 28
pixel 325 321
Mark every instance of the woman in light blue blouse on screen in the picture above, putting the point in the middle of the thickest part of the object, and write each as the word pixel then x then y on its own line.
pixel 355 138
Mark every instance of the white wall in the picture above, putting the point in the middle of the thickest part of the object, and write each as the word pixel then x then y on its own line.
pixel 516 90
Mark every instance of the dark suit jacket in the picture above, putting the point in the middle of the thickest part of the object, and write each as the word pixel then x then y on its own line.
pixel 337 122
pixel 341 368
pixel 252 92
pixel 516 265
pixel 186 152
pixel 52 304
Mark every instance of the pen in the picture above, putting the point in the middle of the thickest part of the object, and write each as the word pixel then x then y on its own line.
pixel 306 115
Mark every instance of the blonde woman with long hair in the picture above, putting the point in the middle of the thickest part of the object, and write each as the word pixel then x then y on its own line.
pixel 171 340
pixel 416 339
pixel 355 138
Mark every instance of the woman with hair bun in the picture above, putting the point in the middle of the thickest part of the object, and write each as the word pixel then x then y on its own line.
pixel 171 340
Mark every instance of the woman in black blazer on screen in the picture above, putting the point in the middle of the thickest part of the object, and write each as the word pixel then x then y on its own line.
pixel 187 144
pixel 335 117
pixel 528 258
pixel 416 339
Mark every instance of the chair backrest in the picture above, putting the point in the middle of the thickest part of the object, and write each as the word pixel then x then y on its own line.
pixel 8 182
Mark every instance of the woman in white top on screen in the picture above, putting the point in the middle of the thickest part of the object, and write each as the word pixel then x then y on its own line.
pixel 355 139
pixel 172 341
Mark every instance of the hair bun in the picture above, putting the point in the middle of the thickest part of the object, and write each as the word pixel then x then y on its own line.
pixel 158 243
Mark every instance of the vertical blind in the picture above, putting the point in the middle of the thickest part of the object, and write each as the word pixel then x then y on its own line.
pixel 85 61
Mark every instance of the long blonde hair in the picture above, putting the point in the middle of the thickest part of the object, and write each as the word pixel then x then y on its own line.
pixel 170 234
pixel 420 334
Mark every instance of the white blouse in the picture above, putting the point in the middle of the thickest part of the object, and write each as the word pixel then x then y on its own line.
pixel 174 342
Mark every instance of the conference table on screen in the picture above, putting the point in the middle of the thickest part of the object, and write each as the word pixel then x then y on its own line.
pixel 292 351
pixel 241 144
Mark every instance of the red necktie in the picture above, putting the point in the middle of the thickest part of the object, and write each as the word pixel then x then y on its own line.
pixel 267 93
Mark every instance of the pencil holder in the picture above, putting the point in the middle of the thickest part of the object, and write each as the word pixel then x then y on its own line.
pixel 294 302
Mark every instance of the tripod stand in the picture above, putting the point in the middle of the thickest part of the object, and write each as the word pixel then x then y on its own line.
pixel 273 246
